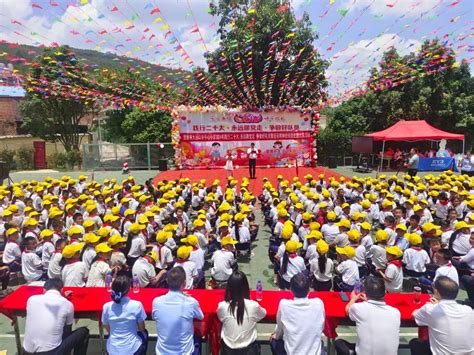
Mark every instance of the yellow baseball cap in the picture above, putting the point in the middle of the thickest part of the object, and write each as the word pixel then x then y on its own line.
pixel 314 234
pixel 136 228
pixel 331 216
pixel 162 236
pixel 91 238
pixel 88 223
pixel 74 230
pixel 414 239
pixel 428 227
pixel 366 226
pixel 116 239
pixel 72 249
pixel 11 231
pixel 394 250
pixel 152 255
pixel 381 235
pixel 347 250
pixel 344 223
pixel 183 252
pixel 461 225
pixel 103 248
pixel 401 227
pixel 228 241
pixel 291 246
pixel 191 240
pixel 322 247
pixel 353 234
pixel 46 233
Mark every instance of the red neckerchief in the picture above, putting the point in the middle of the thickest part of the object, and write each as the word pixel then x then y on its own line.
pixel 449 264
pixel 195 248
pixel 305 225
pixel 180 261
pixel 56 251
pixel 292 255
pixel 281 220
pixel 26 251
pixel 101 259
pixel 93 215
pixel 30 231
pixel 72 262
pixel 397 263
pixel 443 202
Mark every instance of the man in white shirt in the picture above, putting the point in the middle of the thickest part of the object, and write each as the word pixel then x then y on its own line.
pixel 252 153
pixel 450 325
pixel 373 336
pixel 300 322
pixel 48 325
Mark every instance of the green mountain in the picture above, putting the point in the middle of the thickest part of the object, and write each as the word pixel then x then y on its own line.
pixel 19 55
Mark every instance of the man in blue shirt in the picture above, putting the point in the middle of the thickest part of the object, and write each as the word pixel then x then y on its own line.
pixel 174 314
pixel 413 162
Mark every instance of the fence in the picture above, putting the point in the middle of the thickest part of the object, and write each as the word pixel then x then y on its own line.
pixel 140 156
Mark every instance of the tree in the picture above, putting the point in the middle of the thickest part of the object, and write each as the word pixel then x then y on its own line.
pixel 265 58
pixel 424 85
pixel 52 110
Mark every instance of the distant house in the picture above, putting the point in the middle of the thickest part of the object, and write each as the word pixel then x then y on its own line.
pixel 11 93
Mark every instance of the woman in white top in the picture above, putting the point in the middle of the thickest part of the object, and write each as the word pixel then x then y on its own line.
pixel 100 266
pixel 124 319
pixel 322 268
pixel 239 316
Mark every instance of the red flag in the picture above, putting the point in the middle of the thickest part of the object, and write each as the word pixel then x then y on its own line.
pixel 194 29
pixel 283 8
pixel 36 6
pixel 115 8
pixel 156 10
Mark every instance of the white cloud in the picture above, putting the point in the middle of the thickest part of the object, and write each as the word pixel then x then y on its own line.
pixel 351 66
pixel 410 8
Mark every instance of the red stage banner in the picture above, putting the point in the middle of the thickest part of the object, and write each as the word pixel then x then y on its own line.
pixel 281 138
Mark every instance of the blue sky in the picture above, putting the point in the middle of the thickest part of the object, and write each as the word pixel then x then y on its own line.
pixel 352 33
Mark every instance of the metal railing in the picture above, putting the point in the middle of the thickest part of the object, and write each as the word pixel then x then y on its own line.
pixel 139 156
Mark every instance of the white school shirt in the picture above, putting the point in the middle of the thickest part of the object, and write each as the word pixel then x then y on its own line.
pixel 237 336
pixel 75 274
pixel 244 234
pixel 197 256
pixel 375 337
pixel 138 246
pixel 361 253
pixel 222 261
pixel 300 323
pixel 295 266
pixel 341 240
pixel 311 252
pixel 468 258
pixel 447 270
pixel 54 269
pixel 349 271
pixel 367 241
pixel 329 231
pixel 97 273
pixel 46 316
pixel 450 327
pixel 11 253
pixel 416 259
pixel 89 255
pixel 144 270
pixel 461 244
pixel 117 259
pixel 190 271
pixel 322 276
pixel 122 318
pixel 379 256
pixel 47 254
pixel 31 266
pixel 164 256
pixel 394 273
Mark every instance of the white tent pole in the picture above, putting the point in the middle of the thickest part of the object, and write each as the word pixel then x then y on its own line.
pixel 381 156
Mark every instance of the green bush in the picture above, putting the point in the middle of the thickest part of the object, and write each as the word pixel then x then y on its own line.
pixel 7 156
pixel 333 143
pixel 57 161
pixel 73 158
pixel 25 158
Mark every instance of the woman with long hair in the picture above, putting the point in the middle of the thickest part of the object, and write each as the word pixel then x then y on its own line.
pixel 124 320
pixel 239 316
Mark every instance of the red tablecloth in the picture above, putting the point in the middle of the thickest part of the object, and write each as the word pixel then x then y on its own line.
pixel 91 300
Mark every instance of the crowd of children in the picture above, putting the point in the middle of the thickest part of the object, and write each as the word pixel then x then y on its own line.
pixel 337 231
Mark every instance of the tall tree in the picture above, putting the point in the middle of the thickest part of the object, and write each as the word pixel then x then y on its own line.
pixel 266 56
pixel 52 110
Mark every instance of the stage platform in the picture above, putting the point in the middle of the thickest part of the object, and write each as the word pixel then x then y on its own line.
pixel 255 185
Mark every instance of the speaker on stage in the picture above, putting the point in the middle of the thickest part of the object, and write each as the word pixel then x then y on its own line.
pixel 4 171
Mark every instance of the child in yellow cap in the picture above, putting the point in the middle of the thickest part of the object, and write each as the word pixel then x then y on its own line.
pixel 100 267
pixel 379 256
pixel 189 266
pixel 290 264
pixel 12 252
pixel 322 268
pixel 223 262
pixel 393 274
pixel 415 258
pixel 31 266
pixel 347 270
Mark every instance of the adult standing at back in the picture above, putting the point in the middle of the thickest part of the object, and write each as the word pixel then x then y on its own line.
pixel 377 324
pixel 48 326
pixel 252 153
pixel 300 322
pixel 450 325
pixel 413 162
pixel 174 314
pixel 124 319
pixel 239 316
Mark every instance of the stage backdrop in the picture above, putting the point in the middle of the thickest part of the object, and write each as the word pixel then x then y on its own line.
pixel 280 138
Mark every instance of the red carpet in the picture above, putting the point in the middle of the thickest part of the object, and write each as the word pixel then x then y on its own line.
pixel 255 185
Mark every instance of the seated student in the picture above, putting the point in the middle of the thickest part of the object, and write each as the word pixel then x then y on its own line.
pixel 239 316
pixel 360 252
pixel 47 250
pixel 341 239
pixel 414 226
pixel 415 258
pixel 136 243
pixel 100 266
pixel 88 253
pixel 12 253
pixel 379 256
pixel 393 274
pixel 174 314
pixel 347 270
pixel 400 240
pixel 450 325
pixel 188 266
pixel 300 322
pixel 365 237
pixel 373 335
pixel 124 320
pixel 290 264
pixel 445 268
pixel 223 262
pixel 322 268
pixel 311 240
pixel 164 254
pixel 31 266
pixel 54 267
pixel 118 259
pixel 48 325
pixel 145 270
pixel 196 256
pixel 74 272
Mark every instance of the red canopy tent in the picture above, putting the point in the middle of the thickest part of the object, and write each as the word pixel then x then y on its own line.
pixel 412 131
